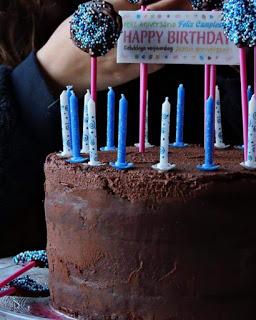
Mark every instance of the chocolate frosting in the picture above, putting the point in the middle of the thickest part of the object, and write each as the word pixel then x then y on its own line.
pixel 140 245
pixel 95 27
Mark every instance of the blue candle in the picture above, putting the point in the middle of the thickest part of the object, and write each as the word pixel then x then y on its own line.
pixel 110 121
pixel 121 163
pixel 249 93
pixel 76 156
pixel 209 138
pixel 69 92
pixel 180 119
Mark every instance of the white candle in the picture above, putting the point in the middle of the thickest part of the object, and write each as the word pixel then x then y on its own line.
pixel 219 144
pixel 92 134
pixel 85 138
pixel 251 159
pixel 65 125
pixel 164 164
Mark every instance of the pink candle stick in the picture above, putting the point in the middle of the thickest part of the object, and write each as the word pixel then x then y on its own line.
pixel 143 101
pixel 7 292
pixel 243 75
pixel 94 78
pixel 254 70
pixel 206 82
pixel 16 274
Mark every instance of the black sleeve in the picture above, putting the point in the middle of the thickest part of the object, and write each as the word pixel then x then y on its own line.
pixel 28 131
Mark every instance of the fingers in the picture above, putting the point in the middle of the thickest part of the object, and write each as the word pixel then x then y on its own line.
pixel 165 5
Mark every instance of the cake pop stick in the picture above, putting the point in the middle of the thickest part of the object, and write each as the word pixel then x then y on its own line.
pixel 32 258
pixel 143 100
pixel 239 24
pixel 143 87
pixel 7 292
pixel 25 285
pixel 16 274
pixel 95 28
pixel 147 143
pixel 254 70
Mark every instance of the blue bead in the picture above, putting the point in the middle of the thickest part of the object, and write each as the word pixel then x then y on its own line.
pixel 39 256
pixel 239 22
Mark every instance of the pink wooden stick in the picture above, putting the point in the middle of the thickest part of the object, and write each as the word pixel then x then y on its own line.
pixel 213 81
pixel 243 75
pixel 7 292
pixel 254 70
pixel 206 82
pixel 16 274
pixel 143 101
pixel 94 78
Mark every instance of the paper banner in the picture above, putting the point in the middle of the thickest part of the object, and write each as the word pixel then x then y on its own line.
pixel 175 37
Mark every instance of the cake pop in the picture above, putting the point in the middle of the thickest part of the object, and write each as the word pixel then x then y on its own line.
pixel 29 260
pixel 25 286
pixel 239 23
pixel 207 4
pixel 39 256
pixel 95 28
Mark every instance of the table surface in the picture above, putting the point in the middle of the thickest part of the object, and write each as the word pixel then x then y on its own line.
pixel 12 307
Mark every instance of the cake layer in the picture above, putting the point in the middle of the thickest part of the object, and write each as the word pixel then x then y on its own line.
pixel 145 245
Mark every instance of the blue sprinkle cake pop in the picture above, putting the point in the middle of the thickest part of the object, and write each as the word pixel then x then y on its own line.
pixel 39 256
pixel 95 27
pixel 239 22
pixel 29 287
pixel 207 4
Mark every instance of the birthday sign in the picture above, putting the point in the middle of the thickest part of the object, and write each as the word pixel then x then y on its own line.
pixel 174 37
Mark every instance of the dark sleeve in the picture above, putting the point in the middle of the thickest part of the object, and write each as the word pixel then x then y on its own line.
pixel 38 107
pixel 28 131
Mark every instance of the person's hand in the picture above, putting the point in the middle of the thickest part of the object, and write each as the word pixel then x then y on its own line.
pixel 165 5
pixel 64 64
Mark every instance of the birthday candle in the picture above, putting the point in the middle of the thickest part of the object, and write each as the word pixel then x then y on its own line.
pixel 69 91
pixel 92 134
pixel 76 156
pixel 164 140
pixel 219 144
pixel 65 125
pixel 85 139
pixel 180 119
pixel 110 121
pixel 249 93
pixel 251 159
pixel 122 134
pixel 209 132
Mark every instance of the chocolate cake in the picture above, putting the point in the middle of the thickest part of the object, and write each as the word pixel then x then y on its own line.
pixel 144 245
